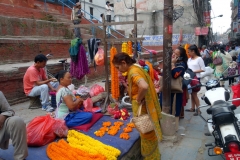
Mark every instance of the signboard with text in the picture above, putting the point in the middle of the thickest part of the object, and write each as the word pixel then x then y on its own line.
pixel 201 31
pixel 157 40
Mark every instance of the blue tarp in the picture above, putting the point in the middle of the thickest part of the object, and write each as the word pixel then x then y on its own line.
pixel 39 153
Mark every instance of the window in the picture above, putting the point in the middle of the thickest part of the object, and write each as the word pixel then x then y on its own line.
pixel 91 12
pixel 90 1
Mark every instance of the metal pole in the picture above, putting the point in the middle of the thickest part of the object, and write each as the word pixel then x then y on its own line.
pixel 106 64
pixel 167 56
pixel 135 29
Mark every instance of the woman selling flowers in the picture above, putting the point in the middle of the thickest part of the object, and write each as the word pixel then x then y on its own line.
pixel 142 91
pixel 67 104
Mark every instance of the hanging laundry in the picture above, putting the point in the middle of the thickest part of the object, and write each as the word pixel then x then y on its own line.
pixel 74 49
pixel 80 68
pixel 93 48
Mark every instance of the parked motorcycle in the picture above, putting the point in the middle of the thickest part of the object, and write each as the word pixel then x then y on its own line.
pixel 224 125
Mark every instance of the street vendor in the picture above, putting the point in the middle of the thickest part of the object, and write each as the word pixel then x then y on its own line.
pixel 68 106
pixel 142 92
pixel 36 82
pixel 14 128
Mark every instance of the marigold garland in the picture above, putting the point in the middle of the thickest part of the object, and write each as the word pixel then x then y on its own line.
pixel 92 146
pixel 127 129
pixel 125 47
pixel 130 51
pixel 107 124
pixel 61 150
pixel 114 76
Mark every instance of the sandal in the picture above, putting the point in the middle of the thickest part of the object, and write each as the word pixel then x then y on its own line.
pixel 190 110
pixel 198 112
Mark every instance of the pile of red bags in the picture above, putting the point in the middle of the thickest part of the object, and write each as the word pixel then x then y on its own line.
pixel 44 129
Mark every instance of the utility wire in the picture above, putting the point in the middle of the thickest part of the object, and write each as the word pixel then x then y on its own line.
pixel 126 5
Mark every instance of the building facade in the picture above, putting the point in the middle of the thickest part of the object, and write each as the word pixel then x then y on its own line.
pixel 151 12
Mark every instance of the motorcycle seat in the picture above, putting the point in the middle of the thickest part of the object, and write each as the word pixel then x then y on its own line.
pixel 223 115
pixel 220 104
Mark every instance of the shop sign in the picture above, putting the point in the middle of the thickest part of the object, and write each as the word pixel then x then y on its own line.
pixel 201 31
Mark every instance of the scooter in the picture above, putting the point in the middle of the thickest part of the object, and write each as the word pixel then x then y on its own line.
pixel 224 124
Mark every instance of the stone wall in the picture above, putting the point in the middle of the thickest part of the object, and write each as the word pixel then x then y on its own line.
pixel 18 51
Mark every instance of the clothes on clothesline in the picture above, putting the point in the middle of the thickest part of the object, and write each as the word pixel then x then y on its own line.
pixel 93 48
pixel 74 49
pixel 80 68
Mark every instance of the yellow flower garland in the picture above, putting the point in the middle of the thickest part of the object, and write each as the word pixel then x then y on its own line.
pixel 92 146
pixel 125 47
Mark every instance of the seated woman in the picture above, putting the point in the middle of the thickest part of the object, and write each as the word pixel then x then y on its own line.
pixel 68 106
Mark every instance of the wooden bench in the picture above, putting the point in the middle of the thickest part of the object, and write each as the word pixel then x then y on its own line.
pixel 35 102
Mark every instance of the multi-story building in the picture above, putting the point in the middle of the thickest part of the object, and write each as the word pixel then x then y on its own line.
pixel 151 12
pixel 235 30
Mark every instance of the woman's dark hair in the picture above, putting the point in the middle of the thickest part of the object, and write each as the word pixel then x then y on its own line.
pixel 195 49
pixel 222 49
pixel 183 55
pixel 60 75
pixel 118 58
pixel 101 15
pixel 107 2
pixel 40 58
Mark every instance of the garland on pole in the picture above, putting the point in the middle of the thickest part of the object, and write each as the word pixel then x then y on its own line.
pixel 114 76
pixel 130 51
pixel 125 47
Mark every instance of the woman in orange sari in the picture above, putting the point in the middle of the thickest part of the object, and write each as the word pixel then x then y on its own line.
pixel 142 91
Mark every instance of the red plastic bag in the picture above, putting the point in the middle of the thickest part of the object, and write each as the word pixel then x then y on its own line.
pixel 99 57
pixel 95 90
pixel 88 105
pixel 40 131
pixel 236 94
pixel 60 128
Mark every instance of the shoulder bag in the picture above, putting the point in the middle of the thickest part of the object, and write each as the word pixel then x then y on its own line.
pixel 217 60
pixel 176 84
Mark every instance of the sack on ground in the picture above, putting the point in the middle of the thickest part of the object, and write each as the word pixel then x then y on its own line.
pixel 40 131
pixel 95 90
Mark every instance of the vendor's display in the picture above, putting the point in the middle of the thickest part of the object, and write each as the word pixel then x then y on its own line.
pixel 114 76
pixel 112 108
pixel 95 90
pixel 62 150
pixel 90 145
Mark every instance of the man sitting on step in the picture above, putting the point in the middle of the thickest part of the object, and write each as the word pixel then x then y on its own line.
pixel 36 83
pixel 14 128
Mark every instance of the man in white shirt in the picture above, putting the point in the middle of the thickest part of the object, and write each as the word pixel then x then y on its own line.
pixel 233 52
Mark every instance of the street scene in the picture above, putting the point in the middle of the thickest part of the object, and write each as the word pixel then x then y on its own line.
pixel 119 80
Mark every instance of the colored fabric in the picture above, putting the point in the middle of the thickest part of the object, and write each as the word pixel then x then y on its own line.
pixel 74 49
pixel 62 109
pixel 86 127
pixel 149 141
pixel 31 76
pixel 151 72
pixel 93 48
pixel 77 118
pixel 80 68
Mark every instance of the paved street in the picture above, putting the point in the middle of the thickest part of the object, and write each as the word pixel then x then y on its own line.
pixel 191 138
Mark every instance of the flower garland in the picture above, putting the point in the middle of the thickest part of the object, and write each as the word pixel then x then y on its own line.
pixel 114 76
pixel 130 51
pixel 125 47
pixel 92 146
pixel 61 150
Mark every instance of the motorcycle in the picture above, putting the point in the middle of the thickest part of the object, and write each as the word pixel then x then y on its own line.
pixel 224 124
